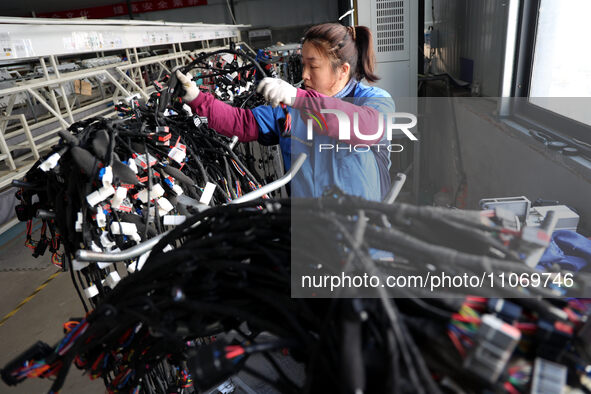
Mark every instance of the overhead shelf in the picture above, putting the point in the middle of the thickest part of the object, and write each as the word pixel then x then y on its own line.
pixel 38 101
pixel 23 38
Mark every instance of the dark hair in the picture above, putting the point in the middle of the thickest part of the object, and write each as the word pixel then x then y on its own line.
pixel 341 44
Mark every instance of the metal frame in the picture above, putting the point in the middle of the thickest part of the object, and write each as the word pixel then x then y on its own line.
pixel 514 103
pixel 125 78
pixel 40 37
pixel 46 39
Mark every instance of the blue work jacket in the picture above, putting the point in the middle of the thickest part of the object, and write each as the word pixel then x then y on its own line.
pixel 359 173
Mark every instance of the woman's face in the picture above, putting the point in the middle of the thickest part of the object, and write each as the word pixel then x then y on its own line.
pixel 318 74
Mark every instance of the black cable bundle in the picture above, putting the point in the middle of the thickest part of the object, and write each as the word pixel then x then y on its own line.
pixel 217 289
pixel 110 184
pixel 224 296
pixel 230 75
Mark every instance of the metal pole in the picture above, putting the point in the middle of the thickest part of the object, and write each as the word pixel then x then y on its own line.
pixel 53 61
pixel 295 167
pixel 117 84
pixel 51 110
pixel 29 136
pixel 51 92
pixel 139 70
pixel 132 83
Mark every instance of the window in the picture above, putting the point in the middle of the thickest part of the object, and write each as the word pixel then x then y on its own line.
pixel 553 69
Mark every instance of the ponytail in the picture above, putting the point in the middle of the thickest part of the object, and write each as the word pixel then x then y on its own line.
pixel 353 45
pixel 366 62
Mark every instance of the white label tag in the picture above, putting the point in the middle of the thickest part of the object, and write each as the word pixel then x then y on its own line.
pixel 207 193
pixel 178 153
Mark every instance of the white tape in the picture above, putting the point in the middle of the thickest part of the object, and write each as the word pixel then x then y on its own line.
pixel 207 193
pixel 100 195
pixel 78 224
pixel 107 178
pixel 155 192
pixel 120 195
pixel 188 109
pixel 136 237
pixel 165 206
pixel 78 265
pixel 95 248
pixel 91 291
pixel 131 268
pixel 177 153
pixel 50 163
pixel 106 242
pixel 177 189
pixel 173 220
pixel 101 218
pixel 131 164
pixel 124 228
pixel 112 279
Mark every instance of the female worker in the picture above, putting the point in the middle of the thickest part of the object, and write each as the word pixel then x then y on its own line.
pixel 335 60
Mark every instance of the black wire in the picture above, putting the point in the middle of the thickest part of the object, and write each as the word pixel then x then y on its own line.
pixel 277 385
pixel 149 190
pixel 71 268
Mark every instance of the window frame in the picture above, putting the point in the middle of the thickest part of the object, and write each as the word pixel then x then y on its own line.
pixel 530 115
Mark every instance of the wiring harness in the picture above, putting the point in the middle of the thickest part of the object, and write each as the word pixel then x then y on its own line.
pixel 111 184
pixel 198 314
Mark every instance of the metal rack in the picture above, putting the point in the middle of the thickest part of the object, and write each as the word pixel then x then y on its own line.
pixel 32 40
pixel 36 37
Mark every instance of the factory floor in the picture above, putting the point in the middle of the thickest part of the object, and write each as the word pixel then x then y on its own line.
pixel 39 319
pixel 36 298
pixel 42 314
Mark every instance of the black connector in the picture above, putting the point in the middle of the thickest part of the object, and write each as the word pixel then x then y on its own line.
pixel 41 247
pixel 548 377
pixel 23 212
pixel 504 309
pixel 552 339
pixel 495 342
pixel 209 366
pixel 38 351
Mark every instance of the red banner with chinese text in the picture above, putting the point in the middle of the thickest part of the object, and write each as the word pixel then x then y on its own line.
pixel 121 9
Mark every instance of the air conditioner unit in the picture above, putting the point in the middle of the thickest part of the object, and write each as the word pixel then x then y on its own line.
pixel 394 25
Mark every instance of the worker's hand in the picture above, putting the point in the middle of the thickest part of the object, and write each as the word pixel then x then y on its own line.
pixel 277 91
pixel 191 90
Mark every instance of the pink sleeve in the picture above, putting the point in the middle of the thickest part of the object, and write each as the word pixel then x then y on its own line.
pixel 368 116
pixel 225 119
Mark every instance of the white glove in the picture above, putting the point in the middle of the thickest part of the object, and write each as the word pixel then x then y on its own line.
pixel 277 91
pixel 191 90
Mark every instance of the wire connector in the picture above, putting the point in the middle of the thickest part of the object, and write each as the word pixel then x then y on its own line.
pixel 495 342
pixel 548 377
pixel 100 195
pixel 50 162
